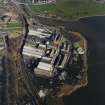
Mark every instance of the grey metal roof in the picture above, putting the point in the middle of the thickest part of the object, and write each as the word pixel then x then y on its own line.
pixel 3 33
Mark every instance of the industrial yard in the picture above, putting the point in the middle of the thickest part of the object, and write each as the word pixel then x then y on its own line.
pixel 54 61
pixel 40 60
pixel 54 64
pixel 52 50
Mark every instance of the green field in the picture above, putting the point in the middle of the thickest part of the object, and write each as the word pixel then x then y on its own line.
pixel 71 9
pixel 1 40
pixel 15 28
pixel 13 24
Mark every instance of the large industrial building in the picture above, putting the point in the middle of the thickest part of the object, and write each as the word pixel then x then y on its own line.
pixel 51 48
pixel 33 52
pixel 44 69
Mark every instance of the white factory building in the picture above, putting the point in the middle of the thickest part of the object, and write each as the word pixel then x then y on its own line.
pixel 33 52
pixel 47 53
pixel 39 33
pixel 44 69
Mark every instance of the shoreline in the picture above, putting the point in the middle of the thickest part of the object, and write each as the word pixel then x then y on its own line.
pixel 81 18
pixel 64 20
pixel 67 89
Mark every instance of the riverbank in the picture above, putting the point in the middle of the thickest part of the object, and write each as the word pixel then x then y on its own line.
pixel 70 9
pixel 93 29
pixel 69 89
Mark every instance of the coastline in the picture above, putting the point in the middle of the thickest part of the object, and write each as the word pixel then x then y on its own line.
pixel 81 18
pixel 67 90
pixel 71 9
pixel 69 20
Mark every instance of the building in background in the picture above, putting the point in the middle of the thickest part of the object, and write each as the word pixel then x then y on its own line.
pixel 43 1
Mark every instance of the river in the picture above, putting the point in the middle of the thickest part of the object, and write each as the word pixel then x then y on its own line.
pixel 93 28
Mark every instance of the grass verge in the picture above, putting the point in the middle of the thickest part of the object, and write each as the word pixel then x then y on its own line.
pixel 71 9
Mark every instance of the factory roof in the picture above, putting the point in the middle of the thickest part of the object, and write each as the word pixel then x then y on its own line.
pixel 46 58
pixel 45 64
pixel 40 29
pixel 38 33
pixel 32 55
pixel 29 48
pixel 42 46
pixel 36 53
pixel 44 69
pixel 33 52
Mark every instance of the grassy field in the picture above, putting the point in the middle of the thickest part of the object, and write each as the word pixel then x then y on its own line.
pixel 14 28
pixel 1 40
pixel 14 24
pixel 71 9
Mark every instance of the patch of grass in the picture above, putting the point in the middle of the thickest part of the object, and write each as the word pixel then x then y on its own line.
pixel 1 53
pixel 1 40
pixel 15 28
pixel 13 24
pixel 71 9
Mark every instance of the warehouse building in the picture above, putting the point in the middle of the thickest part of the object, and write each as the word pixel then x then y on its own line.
pixel 40 33
pixel 51 55
pixel 44 69
pixel 32 52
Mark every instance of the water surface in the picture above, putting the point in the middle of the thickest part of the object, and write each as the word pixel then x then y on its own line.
pixel 93 29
